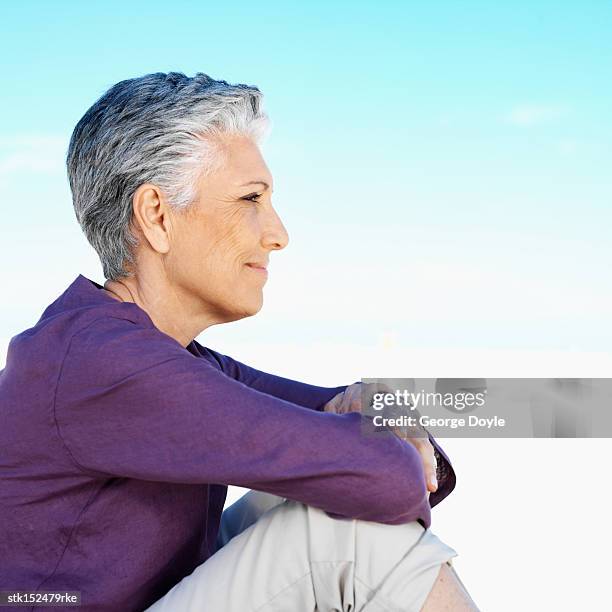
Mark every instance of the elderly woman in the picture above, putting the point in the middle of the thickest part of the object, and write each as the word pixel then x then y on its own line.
pixel 120 432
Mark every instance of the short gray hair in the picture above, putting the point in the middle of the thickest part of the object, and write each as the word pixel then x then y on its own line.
pixel 151 129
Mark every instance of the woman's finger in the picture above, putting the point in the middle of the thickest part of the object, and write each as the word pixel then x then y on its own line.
pixel 428 456
pixel 429 464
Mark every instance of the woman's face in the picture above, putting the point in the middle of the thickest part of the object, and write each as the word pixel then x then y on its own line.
pixel 223 241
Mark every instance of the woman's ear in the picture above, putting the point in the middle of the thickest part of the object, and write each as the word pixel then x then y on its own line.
pixel 152 217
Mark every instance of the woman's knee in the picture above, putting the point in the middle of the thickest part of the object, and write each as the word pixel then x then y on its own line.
pixel 396 564
pixel 348 562
pixel 333 539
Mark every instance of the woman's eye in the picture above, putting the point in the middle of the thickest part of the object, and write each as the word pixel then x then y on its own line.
pixel 252 198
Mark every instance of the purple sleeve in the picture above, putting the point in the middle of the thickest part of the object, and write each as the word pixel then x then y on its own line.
pixel 303 394
pixel 131 402
pixel 314 397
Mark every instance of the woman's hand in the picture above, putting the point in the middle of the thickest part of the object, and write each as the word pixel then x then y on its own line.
pixel 346 401
pixel 350 400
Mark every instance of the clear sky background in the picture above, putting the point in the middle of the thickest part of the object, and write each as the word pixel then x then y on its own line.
pixel 443 170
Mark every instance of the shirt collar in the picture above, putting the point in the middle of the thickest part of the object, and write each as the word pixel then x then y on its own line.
pixel 86 293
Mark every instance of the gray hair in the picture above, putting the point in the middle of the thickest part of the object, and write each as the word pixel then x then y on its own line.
pixel 151 129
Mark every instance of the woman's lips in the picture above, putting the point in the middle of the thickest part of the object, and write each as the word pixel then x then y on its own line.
pixel 259 269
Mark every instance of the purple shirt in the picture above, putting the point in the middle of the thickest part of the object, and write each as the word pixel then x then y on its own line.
pixel 117 445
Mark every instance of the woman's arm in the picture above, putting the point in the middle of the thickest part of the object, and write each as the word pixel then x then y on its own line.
pixel 131 402
pixel 300 393
pixel 329 399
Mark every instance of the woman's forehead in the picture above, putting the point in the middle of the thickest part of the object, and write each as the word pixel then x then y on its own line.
pixel 242 165
pixel 244 172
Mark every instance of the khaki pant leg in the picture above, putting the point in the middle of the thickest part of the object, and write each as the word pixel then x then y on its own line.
pixel 295 558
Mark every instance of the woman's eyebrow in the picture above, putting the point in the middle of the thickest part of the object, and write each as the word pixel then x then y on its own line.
pixel 256 183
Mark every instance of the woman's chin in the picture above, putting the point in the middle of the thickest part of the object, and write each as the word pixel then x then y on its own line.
pixel 251 307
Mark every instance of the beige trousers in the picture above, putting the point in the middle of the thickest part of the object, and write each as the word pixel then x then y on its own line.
pixel 283 556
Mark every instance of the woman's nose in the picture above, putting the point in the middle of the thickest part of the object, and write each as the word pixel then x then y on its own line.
pixel 275 235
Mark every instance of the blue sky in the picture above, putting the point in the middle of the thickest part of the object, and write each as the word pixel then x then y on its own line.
pixel 443 168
